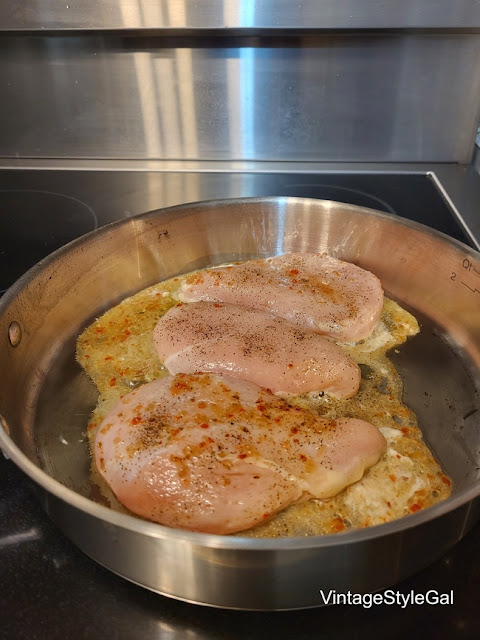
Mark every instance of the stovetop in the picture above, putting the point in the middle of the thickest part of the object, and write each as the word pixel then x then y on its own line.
pixel 51 589
pixel 43 210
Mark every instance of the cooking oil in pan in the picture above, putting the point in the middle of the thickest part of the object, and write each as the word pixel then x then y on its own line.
pixel 117 352
pixel 426 378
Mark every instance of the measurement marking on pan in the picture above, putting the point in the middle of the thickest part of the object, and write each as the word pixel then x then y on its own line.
pixel 473 290
pixel 471 268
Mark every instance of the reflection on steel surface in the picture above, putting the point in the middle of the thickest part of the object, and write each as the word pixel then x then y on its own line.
pixel 170 14
pixel 407 97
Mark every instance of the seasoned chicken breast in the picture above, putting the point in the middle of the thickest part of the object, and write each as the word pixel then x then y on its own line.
pixel 217 454
pixel 255 346
pixel 314 291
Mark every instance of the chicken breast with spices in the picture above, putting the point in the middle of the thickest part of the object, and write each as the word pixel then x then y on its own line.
pixel 313 290
pixel 255 346
pixel 216 454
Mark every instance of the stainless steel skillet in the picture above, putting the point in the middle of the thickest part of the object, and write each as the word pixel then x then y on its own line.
pixel 45 398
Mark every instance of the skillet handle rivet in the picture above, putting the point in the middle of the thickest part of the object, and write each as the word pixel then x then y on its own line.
pixel 15 333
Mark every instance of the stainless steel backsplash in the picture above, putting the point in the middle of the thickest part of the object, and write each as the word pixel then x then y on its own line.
pixel 401 95
pixel 256 14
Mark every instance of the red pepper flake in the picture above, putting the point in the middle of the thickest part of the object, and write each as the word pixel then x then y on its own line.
pixel 266 515
pixel 446 480
pixel 218 305
pixel 261 407
pixel 392 477
pixel 290 366
pixel 135 420
pixel 415 507
pixel 242 456
pixel 113 382
pixel 405 431
pixel 178 387
pixel 100 329
pixel 293 272
pixel 338 524
pixel 303 457
pixel 86 356
pixel 204 426
pixel 108 357
pixel 389 504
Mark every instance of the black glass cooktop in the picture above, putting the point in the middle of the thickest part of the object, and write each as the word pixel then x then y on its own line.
pixel 41 211
pixel 48 588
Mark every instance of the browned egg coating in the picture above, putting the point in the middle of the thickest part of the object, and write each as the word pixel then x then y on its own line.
pixel 117 352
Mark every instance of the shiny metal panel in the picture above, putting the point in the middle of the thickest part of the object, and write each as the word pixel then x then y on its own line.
pixel 220 14
pixel 384 97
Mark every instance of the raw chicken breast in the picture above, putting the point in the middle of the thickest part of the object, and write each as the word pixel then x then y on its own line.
pixel 255 346
pixel 312 290
pixel 217 454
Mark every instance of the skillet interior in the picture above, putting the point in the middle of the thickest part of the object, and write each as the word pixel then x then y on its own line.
pixel 45 398
pixel 438 386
